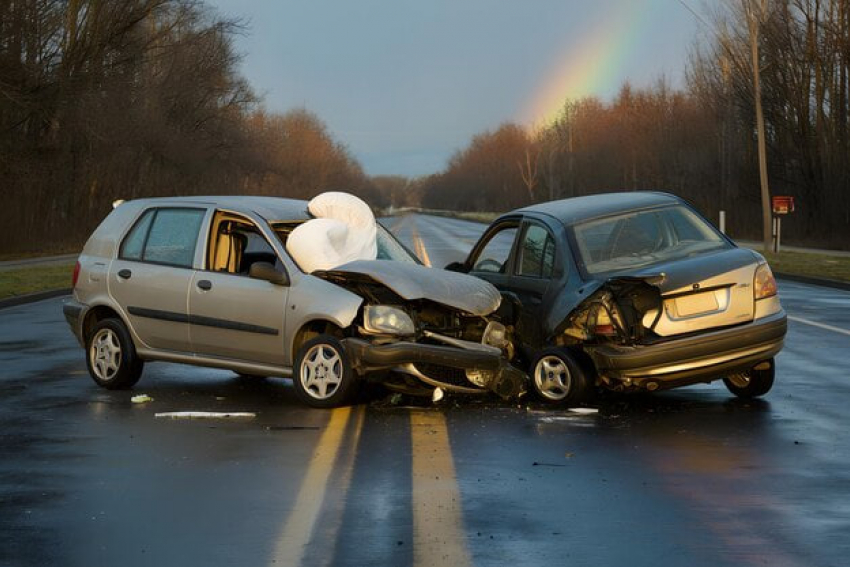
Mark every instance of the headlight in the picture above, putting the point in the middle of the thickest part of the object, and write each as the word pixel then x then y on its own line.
pixel 384 319
pixel 764 284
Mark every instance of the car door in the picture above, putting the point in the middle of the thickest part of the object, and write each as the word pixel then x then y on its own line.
pixel 149 278
pixel 532 279
pixel 491 259
pixel 232 314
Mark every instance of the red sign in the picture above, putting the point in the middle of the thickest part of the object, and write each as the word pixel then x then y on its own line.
pixel 782 205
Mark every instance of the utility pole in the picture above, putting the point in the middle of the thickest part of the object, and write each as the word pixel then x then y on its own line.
pixel 754 21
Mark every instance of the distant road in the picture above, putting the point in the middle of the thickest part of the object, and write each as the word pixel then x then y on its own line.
pixel 42 261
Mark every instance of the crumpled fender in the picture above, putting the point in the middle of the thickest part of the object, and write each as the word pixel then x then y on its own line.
pixel 560 315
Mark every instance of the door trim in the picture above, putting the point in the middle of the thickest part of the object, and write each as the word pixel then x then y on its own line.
pixel 201 320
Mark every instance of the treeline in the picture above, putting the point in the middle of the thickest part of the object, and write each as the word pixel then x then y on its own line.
pixel 700 142
pixel 118 99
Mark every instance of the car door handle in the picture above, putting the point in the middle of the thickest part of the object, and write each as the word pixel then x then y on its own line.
pixel 205 285
pixel 125 274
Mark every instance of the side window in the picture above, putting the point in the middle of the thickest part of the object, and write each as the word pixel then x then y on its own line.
pixel 496 252
pixel 134 242
pixel 536 253
pixel 173 236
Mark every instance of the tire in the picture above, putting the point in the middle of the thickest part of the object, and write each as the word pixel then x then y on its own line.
pixel 322 375
pixel 752 383
pixel 111 356
pixel 557 378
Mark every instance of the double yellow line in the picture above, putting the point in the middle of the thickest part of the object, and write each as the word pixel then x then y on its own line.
pixel 438 535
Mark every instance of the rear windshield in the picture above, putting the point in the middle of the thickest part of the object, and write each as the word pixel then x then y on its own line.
pixel 644 238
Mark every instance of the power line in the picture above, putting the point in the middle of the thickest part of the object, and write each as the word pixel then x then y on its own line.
pixel 696 14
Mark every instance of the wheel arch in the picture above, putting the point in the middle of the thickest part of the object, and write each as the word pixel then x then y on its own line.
pixel 98 313
pixel 311 329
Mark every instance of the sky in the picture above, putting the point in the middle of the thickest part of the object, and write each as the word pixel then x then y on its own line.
pixel 405 84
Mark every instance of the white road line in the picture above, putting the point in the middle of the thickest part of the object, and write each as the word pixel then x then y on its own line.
pixel 819 325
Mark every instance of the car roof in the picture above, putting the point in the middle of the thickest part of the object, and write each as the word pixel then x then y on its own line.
pixel 578 209
pixel 269 208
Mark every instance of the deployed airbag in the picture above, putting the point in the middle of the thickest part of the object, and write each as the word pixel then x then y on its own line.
pixel 343 231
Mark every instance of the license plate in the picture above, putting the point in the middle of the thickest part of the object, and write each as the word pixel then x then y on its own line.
pixel 694 304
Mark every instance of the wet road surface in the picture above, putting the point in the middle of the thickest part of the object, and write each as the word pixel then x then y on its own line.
pixel 691 477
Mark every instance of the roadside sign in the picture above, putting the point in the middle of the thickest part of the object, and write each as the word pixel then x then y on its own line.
pixel 782 205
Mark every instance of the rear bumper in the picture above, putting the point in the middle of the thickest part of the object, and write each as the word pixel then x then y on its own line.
pixel 505 380
pixel 698 358
pixel 73 311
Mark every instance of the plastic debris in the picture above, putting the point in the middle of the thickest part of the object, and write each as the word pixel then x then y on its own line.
pixel 141 399
pixel 584 411
pixel 437 395
pixel 205 414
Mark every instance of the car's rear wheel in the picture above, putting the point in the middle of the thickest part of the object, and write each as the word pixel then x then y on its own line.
pixel 111 357
pixel 323 376
pixel 558 378
pixel 754 382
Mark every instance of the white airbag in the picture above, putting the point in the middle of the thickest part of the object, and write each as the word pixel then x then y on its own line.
pixel 343 231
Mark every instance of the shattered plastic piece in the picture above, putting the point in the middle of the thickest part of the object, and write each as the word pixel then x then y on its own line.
pixel 437 395
pixel 343 231
pixel 141 399
pixel 584 411
pixel 204 414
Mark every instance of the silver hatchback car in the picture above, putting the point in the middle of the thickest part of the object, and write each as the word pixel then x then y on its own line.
pixel 208 281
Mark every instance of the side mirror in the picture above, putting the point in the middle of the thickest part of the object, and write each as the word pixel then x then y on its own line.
pixel 267 272
pixel 458 267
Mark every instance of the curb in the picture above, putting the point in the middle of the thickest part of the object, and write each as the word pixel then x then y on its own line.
pixel 33 297
pixel 823 282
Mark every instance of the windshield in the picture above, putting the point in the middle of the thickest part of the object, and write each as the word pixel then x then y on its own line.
pixel 644 238
pixel 391 249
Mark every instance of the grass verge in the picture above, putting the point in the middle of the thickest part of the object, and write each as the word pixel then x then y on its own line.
pixel 821 266
pixel 32 279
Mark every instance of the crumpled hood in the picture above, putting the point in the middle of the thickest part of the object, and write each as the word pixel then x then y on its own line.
pixel 412 281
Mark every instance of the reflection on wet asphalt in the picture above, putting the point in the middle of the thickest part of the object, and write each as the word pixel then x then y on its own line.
pixel 691 477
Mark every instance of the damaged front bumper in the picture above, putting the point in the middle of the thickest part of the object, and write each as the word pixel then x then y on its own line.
pixel 690 360
pixel 497 375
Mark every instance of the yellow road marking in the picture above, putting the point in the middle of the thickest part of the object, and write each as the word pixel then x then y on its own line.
pixel 438 536
pixel 819 325
pixel 419 246
pixel 296 533
pixel 332 518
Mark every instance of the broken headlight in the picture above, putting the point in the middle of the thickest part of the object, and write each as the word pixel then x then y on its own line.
pixel 387 320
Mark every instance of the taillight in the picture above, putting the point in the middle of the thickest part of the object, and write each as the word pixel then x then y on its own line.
pixel 764 284
pixel 601 324
pixel 76 275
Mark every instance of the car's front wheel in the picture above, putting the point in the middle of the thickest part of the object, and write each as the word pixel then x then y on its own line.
pixel 558 378
pixel 754 382
pixel 111 356
pixel 322 376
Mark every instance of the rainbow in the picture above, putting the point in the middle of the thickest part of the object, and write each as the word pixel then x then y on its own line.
pixel 593 64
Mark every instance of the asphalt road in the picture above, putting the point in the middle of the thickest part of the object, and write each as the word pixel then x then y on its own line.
pixel 690 478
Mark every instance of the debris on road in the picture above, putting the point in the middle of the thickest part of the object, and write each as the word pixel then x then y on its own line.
pixel 584 411
pixel 141 399
pixel 205 414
